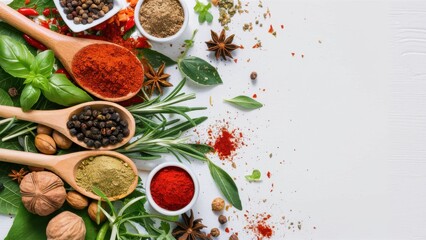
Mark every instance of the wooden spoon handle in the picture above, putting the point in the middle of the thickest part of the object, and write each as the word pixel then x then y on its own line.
pixel 53 119
pixel 26 158
pixel 22 23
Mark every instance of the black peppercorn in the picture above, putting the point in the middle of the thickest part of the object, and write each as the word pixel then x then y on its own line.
pixel 80 136
pixel 90 143
pixel 98 144
pixel 70 124
pixel 74 117
pixel 86 140
pixel 73 131
pixel 105 142
pixel 126 132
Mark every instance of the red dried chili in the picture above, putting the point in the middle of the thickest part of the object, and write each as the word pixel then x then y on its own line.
pixel 28 12
pixel 172 188
pixel 32 42
pixel 108 70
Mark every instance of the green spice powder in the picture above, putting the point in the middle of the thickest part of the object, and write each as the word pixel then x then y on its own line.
pixel 111 175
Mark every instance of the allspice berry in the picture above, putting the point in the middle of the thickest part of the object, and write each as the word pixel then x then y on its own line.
pixel 45 144
pixel 215 232
pixel 93 211
pixel 42 192
pixel 218 204
pixel 233 237
pixel 222 219
pixel 253 75
pixel 61 141
pixel 76 200
pixel 66 225
pixel 42 129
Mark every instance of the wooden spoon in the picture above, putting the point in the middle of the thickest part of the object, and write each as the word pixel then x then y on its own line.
pixel 57 119
pixel 64 47
pixel 66 166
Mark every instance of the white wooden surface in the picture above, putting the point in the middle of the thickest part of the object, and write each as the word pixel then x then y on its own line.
pixel 345 124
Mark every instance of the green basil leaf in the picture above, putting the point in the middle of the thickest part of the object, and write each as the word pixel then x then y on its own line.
pixel 7 30
pixel 201 17
pixel 155 58
pixel 5 99
pixel 226 185
pixel 37 80
pixel 209 17
pixel 39 5
pixel 15 58
pixel 43 63
pixel 62 91
pixel 10 197
pixel 255 176
pixel 29 97
pixel 245 102
pixel 199 71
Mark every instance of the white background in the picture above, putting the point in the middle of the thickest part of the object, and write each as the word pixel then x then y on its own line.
pixel 345 124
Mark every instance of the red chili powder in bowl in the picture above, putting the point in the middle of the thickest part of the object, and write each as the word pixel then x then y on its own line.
pixel 172 188
pixel 107 70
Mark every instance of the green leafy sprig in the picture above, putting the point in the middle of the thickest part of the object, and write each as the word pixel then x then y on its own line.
pixel 254 176
pixel 18 61
pixel 245 102
pixel 203 12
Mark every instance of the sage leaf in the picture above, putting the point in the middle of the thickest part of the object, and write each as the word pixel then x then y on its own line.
pixel 63 92
pixel 226 184
pixel 15 58
pixel 199 71
pixel 5 99
pixel 29 97
pixel 43 63
pixel 245 102
pixel 254 177
pixel 155 58
pixel 10 197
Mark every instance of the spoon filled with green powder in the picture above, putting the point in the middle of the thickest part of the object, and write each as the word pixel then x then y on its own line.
pixel 111 172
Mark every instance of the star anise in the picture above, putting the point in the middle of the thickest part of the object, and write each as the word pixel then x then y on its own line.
pixel 221 45
pixel 156 80
pixel 18 175
pixel 190 229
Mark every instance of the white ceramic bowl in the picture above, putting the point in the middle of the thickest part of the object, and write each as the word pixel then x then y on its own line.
pixel 166 211
pixel 80 27
pixel 166 39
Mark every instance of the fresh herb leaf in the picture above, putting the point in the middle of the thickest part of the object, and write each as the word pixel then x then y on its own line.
pixel 226 184
pixel 10 197
pixel 155 58
pixel 7 30
pixel 43 63
pixel 203 12
pixel 199 71
pixel 38 5
pixel 29 97
pixel 15 58
pixel 254 177
pixel 245 102
pixel 5 99
pixel 61 91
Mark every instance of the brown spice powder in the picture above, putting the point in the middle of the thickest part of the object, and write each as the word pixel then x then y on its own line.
pixel 161 18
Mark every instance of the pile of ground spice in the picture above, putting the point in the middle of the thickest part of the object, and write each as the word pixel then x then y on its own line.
pixel 111 175
pixel 108 70
pixel 225 142
pixel 161 18
pixel 258 225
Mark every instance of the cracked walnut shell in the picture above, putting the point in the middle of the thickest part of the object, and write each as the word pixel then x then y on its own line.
pixel 42 192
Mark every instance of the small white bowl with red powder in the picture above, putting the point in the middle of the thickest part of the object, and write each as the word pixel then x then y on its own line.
pixel 172 188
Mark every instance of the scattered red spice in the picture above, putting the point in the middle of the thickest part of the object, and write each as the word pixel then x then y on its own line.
pixel 268 174
pixel 224 144
pixel 282 26
pixel 235 60
pixel 241 47
pixel 255 95
pixel 258 225
pixel 292 54
pixel 227 230
pixel 271 29
pixel 225 140
pixel 257 45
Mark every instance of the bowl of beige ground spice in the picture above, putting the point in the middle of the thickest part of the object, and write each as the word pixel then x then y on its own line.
pixel 161 20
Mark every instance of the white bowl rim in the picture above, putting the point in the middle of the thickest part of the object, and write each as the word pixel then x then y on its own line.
pixel 148 188
pixel 82 27
pixel 166 39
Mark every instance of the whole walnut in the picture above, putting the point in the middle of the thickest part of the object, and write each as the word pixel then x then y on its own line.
pixel 61 141
pixel 42 192
pixel 66 226
pixel 45 144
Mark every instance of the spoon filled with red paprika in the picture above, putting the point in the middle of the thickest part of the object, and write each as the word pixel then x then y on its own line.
pixel 98 125
pixel 105 70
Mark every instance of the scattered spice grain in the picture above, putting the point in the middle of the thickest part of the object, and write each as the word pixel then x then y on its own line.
pixel 161 18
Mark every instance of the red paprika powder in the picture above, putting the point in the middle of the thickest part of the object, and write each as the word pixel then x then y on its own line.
pixel 107 70
pixel 172 188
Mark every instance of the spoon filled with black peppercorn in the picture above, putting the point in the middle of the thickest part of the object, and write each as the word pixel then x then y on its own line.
pixel 98 125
